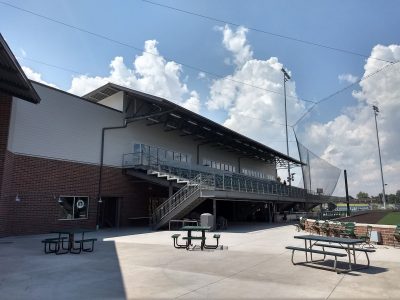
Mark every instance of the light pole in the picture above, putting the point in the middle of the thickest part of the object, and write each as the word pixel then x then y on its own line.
pixel 286 77
pixel 376 111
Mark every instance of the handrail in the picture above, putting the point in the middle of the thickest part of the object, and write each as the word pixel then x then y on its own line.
pixel 179 197
pixel 217 179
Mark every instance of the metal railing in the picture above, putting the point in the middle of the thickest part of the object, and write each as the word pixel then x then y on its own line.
pixel 217 179
pixel 181 196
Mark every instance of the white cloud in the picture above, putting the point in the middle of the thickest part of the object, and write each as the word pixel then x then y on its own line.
pixel 349 140
pixel 36 76
pixel 150 73
pixel 236 43
pixel 201 75
pixel 349 78
pixel 254 112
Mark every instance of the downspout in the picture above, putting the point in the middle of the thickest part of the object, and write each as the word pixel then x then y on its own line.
pixel 126 121
pixel 99 201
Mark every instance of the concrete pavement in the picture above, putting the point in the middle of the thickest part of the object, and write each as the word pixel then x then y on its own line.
pixel 139 264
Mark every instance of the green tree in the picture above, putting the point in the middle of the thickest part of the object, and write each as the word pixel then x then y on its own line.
pixel 362 195
pixel 391 198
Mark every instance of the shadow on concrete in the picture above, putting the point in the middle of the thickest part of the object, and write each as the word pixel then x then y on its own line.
pixel 328 264
pixel 28 273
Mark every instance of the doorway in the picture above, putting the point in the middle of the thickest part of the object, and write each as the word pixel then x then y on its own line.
pixel 109 212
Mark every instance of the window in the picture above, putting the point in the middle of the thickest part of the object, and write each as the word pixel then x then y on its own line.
pixel 159 154
pixel 170 155
pixel 177 156
pixel 73 207
pixel 136 148
pixel 218 165
pixel 253 173
pixel 183 157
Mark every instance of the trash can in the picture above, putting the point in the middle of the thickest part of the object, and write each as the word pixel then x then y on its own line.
pixel 207 219
pixel 376 237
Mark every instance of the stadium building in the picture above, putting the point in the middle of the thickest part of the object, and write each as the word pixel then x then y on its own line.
pixel 119 157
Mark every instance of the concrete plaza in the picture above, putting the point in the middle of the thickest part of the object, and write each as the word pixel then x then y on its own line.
pixel 140 264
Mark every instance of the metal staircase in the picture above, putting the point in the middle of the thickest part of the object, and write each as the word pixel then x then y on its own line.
pixel 182 202
pixel 199 181
pixel 167 176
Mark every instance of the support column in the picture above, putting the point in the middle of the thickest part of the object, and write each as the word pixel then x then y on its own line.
pixel 170 189
pixel 269 212
pixel 118 215
pixel 274 211
pixel 320 211
pixel 215 213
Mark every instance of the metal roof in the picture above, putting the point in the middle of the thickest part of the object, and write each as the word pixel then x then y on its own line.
pixel 12 79
pixel 202 129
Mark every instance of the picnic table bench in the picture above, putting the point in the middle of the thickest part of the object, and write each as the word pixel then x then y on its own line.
pixel 68 236
pixel 346 244
pixel 57 243
pixel 82 242
pixel 355 249
pixel 325 253
pixel 190 237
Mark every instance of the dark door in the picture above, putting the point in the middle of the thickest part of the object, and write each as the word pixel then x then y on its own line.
pixel 109 212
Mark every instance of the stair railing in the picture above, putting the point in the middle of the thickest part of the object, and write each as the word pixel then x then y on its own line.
pixel 218 179
pixel 181 196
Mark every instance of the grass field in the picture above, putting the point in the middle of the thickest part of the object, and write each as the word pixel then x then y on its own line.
pixel 392 218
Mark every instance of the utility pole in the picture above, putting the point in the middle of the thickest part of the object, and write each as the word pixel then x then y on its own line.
pixel 347 193
pixel 286 77
pixel 376 111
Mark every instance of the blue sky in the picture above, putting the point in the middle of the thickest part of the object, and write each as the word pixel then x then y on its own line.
pixel 356 26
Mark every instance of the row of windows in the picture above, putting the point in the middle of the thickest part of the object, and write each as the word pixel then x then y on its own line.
pixel 218 165
pixel 253 173
pixel 162 154
pixel 169 155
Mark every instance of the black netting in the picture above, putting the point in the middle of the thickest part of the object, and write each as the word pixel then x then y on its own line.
pixel 318 175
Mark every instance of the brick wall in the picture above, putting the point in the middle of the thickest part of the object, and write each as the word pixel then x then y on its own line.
pixel 386 231
pixel 39 182
pixel 5 113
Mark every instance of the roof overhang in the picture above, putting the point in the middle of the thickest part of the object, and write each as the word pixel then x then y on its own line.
pixel 200 128
pixel 13 81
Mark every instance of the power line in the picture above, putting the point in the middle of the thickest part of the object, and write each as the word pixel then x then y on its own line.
pixel 249 117
pixel 73 71
pixel 50 65
pixel 98 35
pixel 265 32
pixel 342 90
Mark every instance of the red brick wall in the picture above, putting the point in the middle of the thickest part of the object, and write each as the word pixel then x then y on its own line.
pixel 39 182
pixel 5 114
pixel 386 231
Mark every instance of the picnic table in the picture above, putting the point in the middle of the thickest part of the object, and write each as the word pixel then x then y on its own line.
pixel 189 236
pixel 71 239
pixel 346 244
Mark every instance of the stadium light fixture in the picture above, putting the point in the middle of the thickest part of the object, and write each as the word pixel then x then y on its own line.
pixel 376 111
pixel 286 77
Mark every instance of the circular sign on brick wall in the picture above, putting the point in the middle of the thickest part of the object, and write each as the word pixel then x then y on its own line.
pixel 80 204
